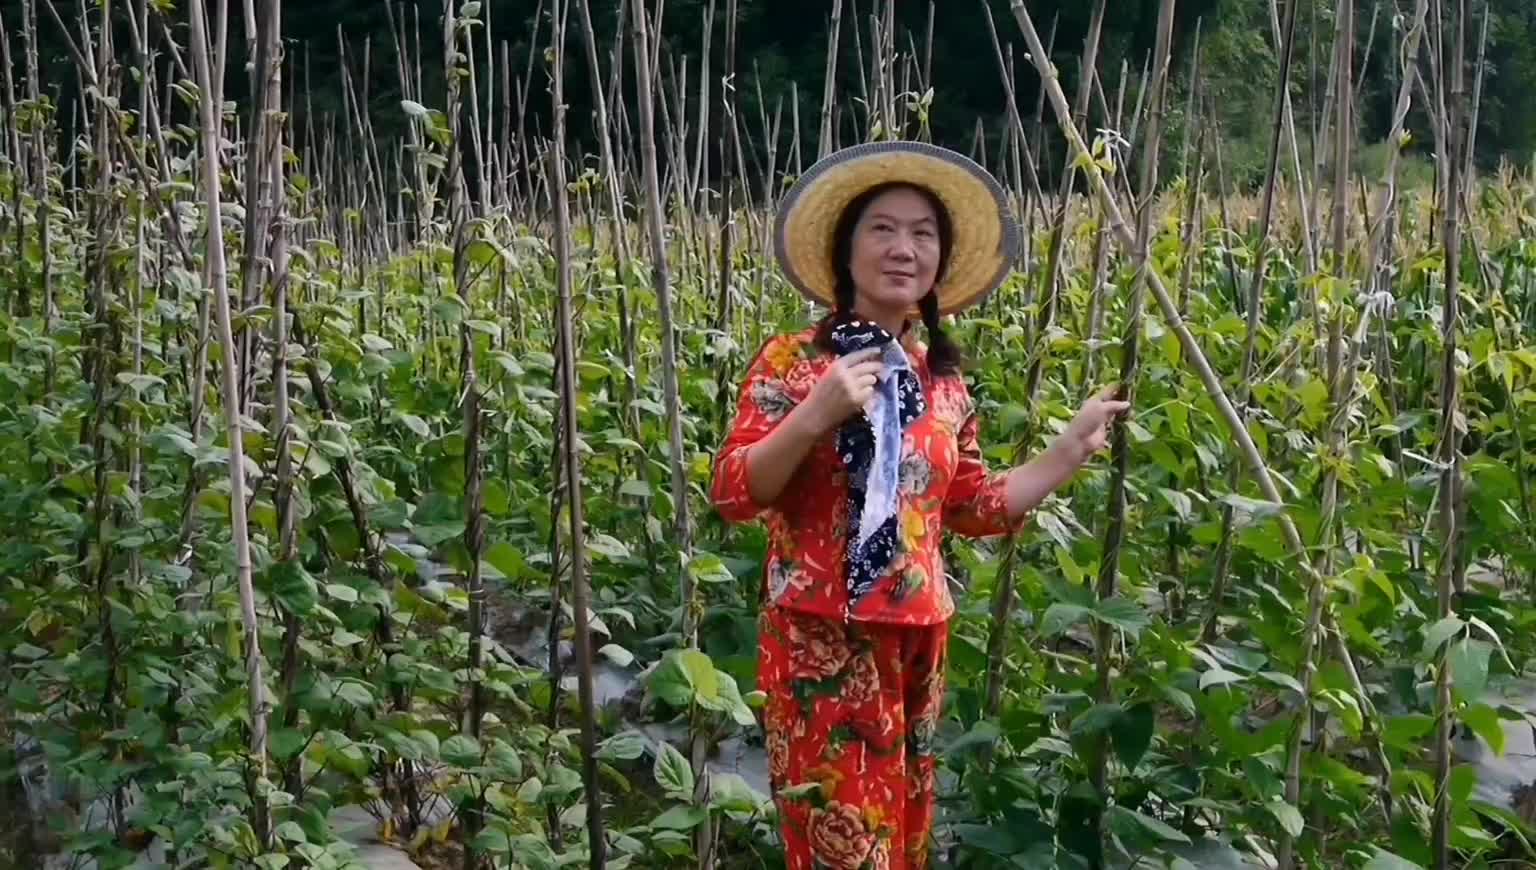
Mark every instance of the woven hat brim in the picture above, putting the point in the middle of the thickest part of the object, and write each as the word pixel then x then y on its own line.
pixel 986 237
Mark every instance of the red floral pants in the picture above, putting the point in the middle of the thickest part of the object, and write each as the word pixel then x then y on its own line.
pixel 850 720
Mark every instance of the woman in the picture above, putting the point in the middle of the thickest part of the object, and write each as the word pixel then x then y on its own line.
pixel 857 445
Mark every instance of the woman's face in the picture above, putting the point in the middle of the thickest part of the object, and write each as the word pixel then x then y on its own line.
pixel 895 251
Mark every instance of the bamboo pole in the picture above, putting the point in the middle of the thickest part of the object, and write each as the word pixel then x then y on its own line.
pixel 580 597
pixel 827 138
pixel 1003 595
pixel 457 30
pixel 256 685
pixel 662 281
pixel 1254 299
pixel 1130 375
pixel 1452 122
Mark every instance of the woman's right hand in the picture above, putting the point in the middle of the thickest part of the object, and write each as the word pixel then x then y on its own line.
pixel 845 387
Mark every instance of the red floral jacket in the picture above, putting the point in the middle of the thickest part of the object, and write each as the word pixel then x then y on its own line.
pixel 944 484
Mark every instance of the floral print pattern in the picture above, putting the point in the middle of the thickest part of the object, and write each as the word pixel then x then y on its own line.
pixel 856 687
pixel 944 485
pixel 851 714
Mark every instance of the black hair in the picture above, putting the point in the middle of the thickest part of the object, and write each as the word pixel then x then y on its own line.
pixel 943 353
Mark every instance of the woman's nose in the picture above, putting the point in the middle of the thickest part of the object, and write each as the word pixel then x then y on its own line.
pixel 902 247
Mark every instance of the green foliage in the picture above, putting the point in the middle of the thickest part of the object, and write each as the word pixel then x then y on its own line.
pixel 120 629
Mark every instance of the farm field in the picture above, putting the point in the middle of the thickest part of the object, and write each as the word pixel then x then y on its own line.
pixel 373 524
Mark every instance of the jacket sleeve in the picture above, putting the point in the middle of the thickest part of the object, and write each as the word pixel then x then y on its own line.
pixel 764 401
pixel 976 505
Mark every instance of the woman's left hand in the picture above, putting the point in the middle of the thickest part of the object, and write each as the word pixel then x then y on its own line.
pixel 1088 433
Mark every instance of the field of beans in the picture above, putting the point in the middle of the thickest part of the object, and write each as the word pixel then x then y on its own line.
pixel 354 492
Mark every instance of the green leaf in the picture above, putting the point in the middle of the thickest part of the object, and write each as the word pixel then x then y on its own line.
pixel 401 745
pixel 731 701
pixel 574 816
pixel 618 655
pixel 342 637
pixel 505 558
pixel 1132 734
pixel 1124 614
pixel 1074 574
pixel 1384 860
pixel 680 818
pixel 492 841
pixel 625 746
pixel 341 592
pixel 708 568
pixel 354 693
pixel 1129 823
pixel 1181 503
pixel 28 651
pixel 1251 508
pixel 449 309
pixel 1178 698
pixel 1484 722
pixel 286 743
pixel 728 791
pixel 431 748
pixel 1096 720
pixel 1285 680
pixel 432 534
pixel 461 750
pixel 1468 660
pixel 983 733
pixel 684 675
pixel 1405 731
pixel 995 840
pixel 417 425
pixel 673 772
pixel 414 109
pixel 1346 706
pixel 1220 677
pixel 1288 816
pixel 508 363
pixel 504 761
pixel 1439 633
pixel 700 673
pixel 294 588
pixel 1493 636
pixel 139 383
pixel 291 832
pixel 486 327
pixel 1313 395
pixel 607 545
pixel 1059 617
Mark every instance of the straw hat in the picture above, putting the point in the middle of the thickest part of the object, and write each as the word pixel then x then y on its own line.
pixel 986 236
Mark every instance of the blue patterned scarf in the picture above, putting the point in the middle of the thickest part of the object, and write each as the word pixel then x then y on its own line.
pixel 870 446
